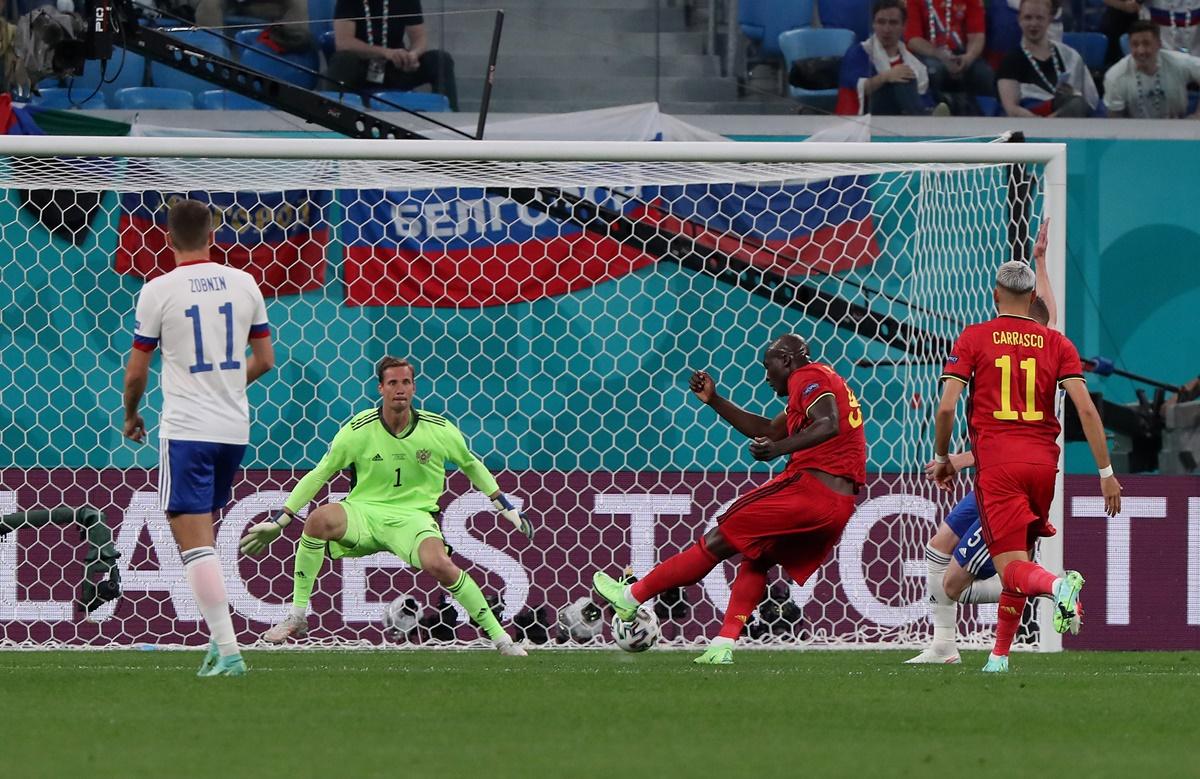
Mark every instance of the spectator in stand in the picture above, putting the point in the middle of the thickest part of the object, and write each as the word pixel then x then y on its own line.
pixel 882 77
pixel 288 18
pixel 1178 21
pixel 1042 77
pixel 948 37
pixel 1150 83
pixel 1003 32
pixel 1118 16
pixel 372 52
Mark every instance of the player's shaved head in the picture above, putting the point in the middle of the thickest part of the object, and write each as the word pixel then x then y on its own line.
pixel 783 356
pixel 387 362
pixel 190 225
pixel 789 344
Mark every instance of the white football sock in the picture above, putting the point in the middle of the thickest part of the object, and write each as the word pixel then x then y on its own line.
pixel 942 610
pixel 982 591
pixel 299 612
pixel 722 641
pixel 208 586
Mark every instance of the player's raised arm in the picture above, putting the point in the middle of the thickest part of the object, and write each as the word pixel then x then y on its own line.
pixel 1045 292
pixel 483 480
pixel 748 424
pixel 1093 430
pixel 336 459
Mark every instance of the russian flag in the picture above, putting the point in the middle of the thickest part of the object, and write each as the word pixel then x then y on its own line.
pixel 279 238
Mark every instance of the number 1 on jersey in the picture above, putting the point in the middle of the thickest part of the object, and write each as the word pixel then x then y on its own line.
pixel 229 364
pixel 1007 413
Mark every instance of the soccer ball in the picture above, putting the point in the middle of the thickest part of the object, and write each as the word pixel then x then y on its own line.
pixel 639 635
pixel 580 621
pixel 400 617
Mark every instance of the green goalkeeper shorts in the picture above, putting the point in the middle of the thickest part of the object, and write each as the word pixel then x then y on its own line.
pixel 372 528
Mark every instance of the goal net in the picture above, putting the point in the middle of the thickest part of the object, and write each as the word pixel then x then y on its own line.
pixel 554 298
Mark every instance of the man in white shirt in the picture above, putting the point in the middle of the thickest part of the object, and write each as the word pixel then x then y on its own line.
pixel 1151 82
pixel 203 315
pixel 1178 22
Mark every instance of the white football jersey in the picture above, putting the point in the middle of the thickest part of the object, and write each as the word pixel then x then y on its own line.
pixel 203 315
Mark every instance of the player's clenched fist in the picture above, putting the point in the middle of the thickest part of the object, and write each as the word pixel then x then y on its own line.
pixel 703 385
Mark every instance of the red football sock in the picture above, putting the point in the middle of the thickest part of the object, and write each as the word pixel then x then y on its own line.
pixel 1028 579
pixel 748 590
pixel 687 567
pixel 1011 606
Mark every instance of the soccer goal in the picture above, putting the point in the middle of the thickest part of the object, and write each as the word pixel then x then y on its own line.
pixel 555 298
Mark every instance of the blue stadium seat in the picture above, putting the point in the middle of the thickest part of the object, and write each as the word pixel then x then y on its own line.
pixel 224 100
pixel 58 97
pixel 989 106
pixel 320 14
pixel 349 98
pixel 285 67
pixel 151 98
pixel 847 14
pixel 1125 44
pixel 806 44
pixel 326 44
pixel 428 102
pixel 763 20
pixel 1003 34
pixel 166 76
pixel 1092 46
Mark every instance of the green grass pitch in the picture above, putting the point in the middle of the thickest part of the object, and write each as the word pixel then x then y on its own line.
pixel 334 714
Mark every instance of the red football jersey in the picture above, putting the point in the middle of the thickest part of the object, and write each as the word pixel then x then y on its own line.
pixel 1013 367
pixel 846 453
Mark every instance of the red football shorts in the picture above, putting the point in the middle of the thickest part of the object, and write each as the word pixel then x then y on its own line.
pixel 1014 505
pixel 793 520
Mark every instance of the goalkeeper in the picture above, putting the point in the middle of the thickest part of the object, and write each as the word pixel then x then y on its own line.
pixel 396 455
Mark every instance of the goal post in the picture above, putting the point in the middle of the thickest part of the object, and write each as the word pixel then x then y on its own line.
pixel 554 297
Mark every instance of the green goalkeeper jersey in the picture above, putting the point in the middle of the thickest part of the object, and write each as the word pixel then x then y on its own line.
pixel 402 471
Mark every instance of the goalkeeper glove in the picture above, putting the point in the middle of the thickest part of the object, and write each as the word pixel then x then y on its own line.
pixel 260 535
pixel 506 509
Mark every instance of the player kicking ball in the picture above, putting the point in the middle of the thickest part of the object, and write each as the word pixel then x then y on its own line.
pixel 397 455
pixel 793 520
pixel 1014 365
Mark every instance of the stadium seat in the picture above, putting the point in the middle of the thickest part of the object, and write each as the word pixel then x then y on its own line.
pixel 989 106
pixel 1092 46
pixel 763 20
pixel 806 44
pixel 150 98
pixel 224 100
pixel 846 14
pixel 285 67
pixel 166 76
pixel 73 97
pixel 320 17
pixel 428 102
pixel 1125 44
pixel 349 98
pixel 326 44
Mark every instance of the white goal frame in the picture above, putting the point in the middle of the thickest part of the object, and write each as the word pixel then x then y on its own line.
pixel 1051 155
